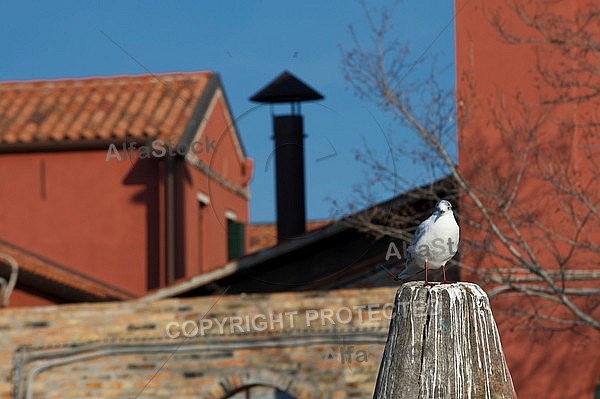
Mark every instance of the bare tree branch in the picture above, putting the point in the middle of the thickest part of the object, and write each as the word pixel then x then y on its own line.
pixel 548 247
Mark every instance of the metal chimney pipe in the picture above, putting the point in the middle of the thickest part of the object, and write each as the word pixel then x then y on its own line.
pixel 288 133
pixel 289 176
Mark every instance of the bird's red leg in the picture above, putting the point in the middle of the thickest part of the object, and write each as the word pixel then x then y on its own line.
pixel 427 283
pixel 444 281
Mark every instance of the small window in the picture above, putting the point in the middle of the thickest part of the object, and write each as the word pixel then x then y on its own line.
pixel 235 239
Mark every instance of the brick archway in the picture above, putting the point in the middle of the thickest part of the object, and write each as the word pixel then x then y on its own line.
pixel 236 382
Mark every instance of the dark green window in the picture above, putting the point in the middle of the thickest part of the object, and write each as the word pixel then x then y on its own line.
pixel 235 239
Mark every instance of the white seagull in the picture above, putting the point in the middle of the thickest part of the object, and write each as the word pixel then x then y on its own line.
pixel 434 243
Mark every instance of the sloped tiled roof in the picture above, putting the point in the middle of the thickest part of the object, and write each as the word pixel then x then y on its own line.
pixel 100 108
pixel 52 278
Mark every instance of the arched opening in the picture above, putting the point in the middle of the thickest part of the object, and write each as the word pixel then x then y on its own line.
pixel 260 384
pixel 259 392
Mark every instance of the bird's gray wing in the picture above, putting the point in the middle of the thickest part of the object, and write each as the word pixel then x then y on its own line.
pixel 411 267
pixel 419 232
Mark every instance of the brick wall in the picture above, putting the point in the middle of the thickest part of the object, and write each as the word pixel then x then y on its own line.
pixel 113 350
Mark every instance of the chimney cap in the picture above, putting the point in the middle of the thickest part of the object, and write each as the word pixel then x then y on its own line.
pixel 286 88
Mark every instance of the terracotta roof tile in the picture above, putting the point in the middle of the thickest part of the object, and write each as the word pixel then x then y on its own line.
pixel 6 101
pixel 59 277
pixel 99 108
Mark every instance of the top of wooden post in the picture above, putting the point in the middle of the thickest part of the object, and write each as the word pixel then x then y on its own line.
pixel 443 343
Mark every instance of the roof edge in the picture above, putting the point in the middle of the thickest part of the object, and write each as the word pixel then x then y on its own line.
pixel 251 260
pixel 111 292
pixel 104 77
pixel 213 85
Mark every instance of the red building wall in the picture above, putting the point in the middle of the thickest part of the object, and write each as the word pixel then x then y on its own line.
pixel 105 219
pixel 21 298
pixel 207 240
pixel 494 81
pixel 85 213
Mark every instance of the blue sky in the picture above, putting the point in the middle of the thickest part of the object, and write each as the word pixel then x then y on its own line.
pixel 248 44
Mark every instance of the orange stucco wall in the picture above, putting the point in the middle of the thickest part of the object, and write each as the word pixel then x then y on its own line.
pixel 106 219
pixel 227 163
pixel 23 298
pixel 490 76
pixel 90 216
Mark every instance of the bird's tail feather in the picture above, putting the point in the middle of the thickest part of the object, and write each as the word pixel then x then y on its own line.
pixel 411 270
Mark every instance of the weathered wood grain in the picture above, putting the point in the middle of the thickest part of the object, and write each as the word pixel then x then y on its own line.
pixel 443 343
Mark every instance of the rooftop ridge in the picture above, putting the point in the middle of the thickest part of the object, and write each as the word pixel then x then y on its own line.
pixel 106 78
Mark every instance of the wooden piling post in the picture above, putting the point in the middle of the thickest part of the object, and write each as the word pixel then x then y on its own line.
pixel 443 343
